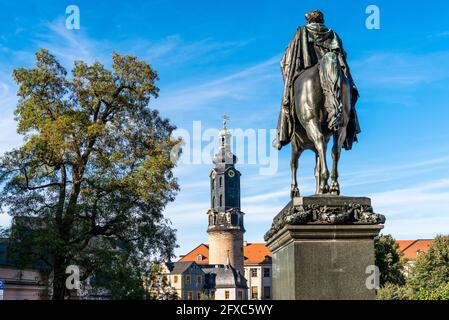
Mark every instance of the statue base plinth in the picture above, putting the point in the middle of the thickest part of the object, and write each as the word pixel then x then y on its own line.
pixel 323 248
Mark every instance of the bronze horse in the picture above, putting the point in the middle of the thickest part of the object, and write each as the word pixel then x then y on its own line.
pixel 311 125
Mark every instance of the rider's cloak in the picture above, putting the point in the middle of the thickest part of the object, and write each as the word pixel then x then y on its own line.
pixel 304 51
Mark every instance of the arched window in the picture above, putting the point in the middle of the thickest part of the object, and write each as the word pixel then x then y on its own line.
pixel 221 200
pixel 213 201
pixel 221 181
pixel 213 184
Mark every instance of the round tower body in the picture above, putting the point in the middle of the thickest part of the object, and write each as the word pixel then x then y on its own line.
pixel 226 247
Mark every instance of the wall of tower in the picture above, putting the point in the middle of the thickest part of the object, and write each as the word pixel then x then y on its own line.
pixel 223 241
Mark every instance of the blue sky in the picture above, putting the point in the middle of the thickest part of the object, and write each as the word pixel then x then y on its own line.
pixel 223 57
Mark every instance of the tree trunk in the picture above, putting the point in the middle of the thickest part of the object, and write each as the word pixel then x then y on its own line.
pixel 59 278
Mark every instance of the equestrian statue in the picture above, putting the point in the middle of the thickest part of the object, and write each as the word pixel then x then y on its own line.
pixel 318 101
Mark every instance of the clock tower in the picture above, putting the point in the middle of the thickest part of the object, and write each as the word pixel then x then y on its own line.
pixel 225 219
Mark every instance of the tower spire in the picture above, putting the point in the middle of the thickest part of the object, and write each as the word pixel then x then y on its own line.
pixel 224 154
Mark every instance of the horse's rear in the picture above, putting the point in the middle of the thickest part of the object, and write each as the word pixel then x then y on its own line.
pixel 315 128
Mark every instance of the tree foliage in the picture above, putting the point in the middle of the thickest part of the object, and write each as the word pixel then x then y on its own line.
pixel 388 260
pixel 431 269
pixel 392 291
pixel 94 172
pixel 428 278
pixel 439 293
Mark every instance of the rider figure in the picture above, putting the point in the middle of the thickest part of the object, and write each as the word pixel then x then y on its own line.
pixel 307 48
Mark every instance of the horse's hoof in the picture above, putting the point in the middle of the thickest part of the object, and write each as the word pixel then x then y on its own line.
pixel 335 189
pixel 324 189
pixel 294 193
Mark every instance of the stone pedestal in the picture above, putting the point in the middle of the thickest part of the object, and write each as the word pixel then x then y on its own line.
pixel 323 247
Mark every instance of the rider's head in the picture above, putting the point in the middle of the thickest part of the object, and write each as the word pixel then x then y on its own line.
pixel 315 16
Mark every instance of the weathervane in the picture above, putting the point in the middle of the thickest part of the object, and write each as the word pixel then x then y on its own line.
pixel 225 121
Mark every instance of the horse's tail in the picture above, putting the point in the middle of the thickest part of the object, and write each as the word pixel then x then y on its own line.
pixel 330 78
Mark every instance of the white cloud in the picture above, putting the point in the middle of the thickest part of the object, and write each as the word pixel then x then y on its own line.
pixel 240 86
pixel 173 50
pixel 71 45
pixel 431 198
pixel 400 70
pixel 438 35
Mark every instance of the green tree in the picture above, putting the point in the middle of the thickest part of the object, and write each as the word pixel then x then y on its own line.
pixel 94 173
pixel 440 293
pixel 428 278
pixel 388 260
pixel 431 269
pixel 392 291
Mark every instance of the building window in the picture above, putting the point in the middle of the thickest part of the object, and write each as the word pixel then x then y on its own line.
pixel 254 293
pixel 187 279
pixel 253 272
pixel 199 280
pixel 212 295
pixel 226 295
pixel 175 279
pixel 266 272
pixel 198 296
pixel 199 257
pixel 240 295
pixel 190 295
pixel 267 292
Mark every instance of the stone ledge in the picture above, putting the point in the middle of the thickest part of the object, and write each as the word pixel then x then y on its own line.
pixel 330 200
pixel 321 232
pixel 326 210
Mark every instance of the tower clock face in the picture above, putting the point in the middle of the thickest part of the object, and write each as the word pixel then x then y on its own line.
pixel 231 173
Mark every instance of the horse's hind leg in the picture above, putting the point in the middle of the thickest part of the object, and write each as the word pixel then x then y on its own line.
pixel 317 173
pixel 336 151
pixel 296 153
pixel 314 133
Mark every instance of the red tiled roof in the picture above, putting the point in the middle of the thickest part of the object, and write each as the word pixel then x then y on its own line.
pixel 404 244
pixel 254 253
pixel 202 249
pixel 411 248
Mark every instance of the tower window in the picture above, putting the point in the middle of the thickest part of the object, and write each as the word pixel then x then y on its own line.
pixel 213 184
pixel 221 181
pixel 221 200
pixel 213 201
